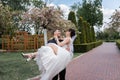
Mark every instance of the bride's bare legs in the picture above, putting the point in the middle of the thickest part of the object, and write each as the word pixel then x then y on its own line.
pixel 55 49
pixel 29 56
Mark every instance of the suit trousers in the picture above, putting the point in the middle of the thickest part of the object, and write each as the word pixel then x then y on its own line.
pixel 61 75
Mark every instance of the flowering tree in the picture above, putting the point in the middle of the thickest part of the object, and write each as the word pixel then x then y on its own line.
pixel 6 23
pixel 115 21
pixel 48 18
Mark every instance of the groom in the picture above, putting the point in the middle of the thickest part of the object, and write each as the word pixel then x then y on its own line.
pixel 61 75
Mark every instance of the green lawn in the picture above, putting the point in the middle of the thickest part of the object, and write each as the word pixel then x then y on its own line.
pixel 77 54
pixel 14 67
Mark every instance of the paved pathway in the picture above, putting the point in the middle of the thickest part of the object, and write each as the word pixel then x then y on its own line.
pixel 101 63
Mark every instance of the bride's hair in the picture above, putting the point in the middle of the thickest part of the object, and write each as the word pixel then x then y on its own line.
pixel 72 32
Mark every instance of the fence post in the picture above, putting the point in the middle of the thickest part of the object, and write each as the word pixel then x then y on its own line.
pixel 25 41
pixel 8 44
pixel 2 42
pixel 11 44
pixel 36 41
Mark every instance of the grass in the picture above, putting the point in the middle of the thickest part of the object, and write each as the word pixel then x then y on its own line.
pixel 14 67
pixel 77 54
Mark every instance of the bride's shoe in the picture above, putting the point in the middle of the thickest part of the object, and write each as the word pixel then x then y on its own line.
pixel 28 56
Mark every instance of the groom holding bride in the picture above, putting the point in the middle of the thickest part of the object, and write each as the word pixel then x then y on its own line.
pixel 53 58
pixel 61 75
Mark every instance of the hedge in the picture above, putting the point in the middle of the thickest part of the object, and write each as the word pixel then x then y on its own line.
pixel 80 48
pixel 118 43
pixel 109 40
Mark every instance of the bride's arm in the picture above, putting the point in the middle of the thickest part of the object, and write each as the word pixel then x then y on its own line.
pixel 64 42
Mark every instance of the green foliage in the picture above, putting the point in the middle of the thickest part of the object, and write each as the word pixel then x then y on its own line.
pixel 109 40
pixel 109 34
pixel 87 32
pixel 6 22
pixel 86 47
pixel 77 40
pixel 118 43
pixel 91 12
pixel 84 32
pixel 38 3
pixel 93 34
pixel 81 28
pixel 72 17
pixel 16 4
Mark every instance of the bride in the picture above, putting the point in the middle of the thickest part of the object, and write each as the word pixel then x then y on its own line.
pixel 52 59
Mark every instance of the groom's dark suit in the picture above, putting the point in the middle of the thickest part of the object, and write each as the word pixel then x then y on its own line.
pixel 61 75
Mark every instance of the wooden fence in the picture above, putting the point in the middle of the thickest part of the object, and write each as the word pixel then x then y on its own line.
pixel 22 41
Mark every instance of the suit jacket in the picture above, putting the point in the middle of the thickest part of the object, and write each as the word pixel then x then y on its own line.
pixel 54 41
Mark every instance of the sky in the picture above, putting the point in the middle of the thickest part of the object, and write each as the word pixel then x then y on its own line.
pixel 108 6
pixel 112 4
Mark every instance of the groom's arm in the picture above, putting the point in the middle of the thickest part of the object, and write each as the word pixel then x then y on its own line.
pixel 52 41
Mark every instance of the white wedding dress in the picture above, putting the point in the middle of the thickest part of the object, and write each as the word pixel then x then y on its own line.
pixel 50 64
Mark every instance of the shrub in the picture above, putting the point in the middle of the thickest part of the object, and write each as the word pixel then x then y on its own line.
pixel 118 43
pixel 77 40
pixel 109 40
pixel 86 47
pixel 72 18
